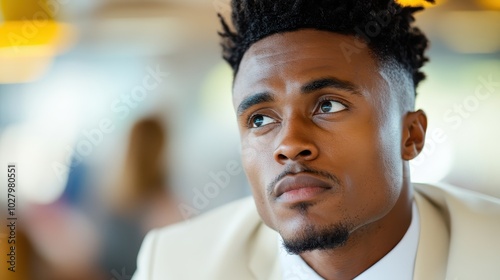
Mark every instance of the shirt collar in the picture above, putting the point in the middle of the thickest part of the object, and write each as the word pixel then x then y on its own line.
pixel 397 264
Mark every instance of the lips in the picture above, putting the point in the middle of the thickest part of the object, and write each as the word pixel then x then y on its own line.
pixel 300 187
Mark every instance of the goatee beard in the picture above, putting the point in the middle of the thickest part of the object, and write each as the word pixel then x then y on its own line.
pixel 311 238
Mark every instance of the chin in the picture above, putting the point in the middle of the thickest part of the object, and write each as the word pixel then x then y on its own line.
pixel 312 237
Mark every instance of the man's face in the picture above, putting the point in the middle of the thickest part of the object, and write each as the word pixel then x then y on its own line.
pixel 320 133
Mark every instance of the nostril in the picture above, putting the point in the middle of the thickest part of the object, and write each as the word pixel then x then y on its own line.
pixel 282 157
pixel 294 156
pixel 305 153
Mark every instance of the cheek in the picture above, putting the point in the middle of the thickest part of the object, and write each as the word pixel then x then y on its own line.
pixel 248 158
pixel 260 168
pixel 252 155
pixel 389 135
pixel 389 168
pixel 390 151
pixel 372 172
pixel 257 153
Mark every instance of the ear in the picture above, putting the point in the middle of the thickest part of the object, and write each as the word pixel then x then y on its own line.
pixel 414 130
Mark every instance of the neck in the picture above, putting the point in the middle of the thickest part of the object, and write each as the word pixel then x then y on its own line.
pixel 366 245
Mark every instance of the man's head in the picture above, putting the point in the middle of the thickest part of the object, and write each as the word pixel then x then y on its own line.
pixel 324 93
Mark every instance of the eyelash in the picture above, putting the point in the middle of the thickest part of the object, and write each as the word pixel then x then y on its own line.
pixel 250 119
pixel 329 98
pixel 322 99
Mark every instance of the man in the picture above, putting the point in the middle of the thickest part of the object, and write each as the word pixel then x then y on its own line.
pixel 324 93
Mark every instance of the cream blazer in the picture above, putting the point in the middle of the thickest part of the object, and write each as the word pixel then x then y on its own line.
pixel 459 240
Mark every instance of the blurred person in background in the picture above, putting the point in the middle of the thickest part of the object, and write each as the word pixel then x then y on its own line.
pixel 140 201
pixel 328 126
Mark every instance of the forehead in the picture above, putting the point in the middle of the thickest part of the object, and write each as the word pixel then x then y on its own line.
pixel 291 59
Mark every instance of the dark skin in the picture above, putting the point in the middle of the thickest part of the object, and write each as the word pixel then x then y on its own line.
pixel 302 106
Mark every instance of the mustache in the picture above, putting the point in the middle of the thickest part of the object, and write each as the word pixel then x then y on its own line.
pixel 294 169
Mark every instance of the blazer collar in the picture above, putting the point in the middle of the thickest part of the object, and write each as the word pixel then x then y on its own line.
pixel 263 254
pixel 434 240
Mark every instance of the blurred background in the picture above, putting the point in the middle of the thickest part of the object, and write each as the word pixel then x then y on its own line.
pixel 118 117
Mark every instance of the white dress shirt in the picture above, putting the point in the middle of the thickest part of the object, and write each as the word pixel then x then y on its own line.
pixel 398 264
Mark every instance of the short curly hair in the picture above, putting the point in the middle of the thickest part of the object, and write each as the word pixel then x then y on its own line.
pixel 384 25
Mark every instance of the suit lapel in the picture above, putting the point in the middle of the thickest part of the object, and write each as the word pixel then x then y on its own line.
pixel 432 252
pixel 263 255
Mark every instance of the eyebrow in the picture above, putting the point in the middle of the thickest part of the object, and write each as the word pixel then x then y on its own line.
pixel 315 85
pixel 254 100
pixel 330 82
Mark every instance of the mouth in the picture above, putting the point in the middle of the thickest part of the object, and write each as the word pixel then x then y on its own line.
pixel 300 188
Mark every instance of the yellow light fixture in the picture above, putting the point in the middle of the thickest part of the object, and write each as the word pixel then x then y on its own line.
pixel 489 4
pixel 419 3
pixel 30 38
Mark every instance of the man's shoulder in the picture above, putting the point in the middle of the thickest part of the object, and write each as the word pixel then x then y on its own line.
pixel 461 206
pixel 462 201
pixel 229 219
pixel 215 218
pixel 215 245
pixel 469 241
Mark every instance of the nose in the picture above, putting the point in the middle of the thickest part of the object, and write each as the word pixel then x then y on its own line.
pixel 296 143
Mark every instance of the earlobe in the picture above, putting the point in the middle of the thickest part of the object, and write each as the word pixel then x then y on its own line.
pixel 414 130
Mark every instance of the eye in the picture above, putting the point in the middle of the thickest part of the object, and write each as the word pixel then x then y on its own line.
pixel 260 120
pixel 331 106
